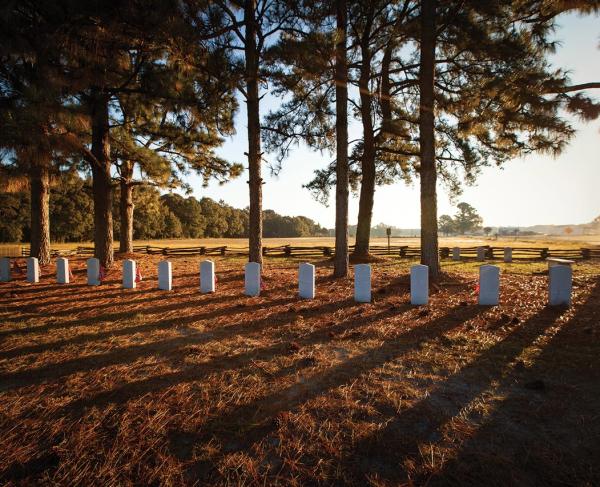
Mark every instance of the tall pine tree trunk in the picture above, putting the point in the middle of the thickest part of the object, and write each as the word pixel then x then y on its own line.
pixel 254 154
pixel 102 183
pixel 429 230
pixel 39 182
pixel 126 208
pixel 367 186
pixel 340 263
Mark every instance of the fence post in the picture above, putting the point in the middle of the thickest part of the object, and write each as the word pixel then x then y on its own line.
pixel 585 253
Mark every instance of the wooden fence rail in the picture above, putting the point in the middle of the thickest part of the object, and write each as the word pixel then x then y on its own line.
pixel 404 251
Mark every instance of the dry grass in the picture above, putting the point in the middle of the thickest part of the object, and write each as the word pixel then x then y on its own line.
pixel 115 387
pixel 555 242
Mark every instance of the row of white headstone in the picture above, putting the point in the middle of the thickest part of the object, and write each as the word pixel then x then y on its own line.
pixel 560 277
pixel 481 253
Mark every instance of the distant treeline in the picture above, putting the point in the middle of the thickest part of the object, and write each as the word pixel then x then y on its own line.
pixel 155 216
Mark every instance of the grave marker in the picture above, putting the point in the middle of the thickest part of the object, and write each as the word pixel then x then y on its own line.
pixel 419 284
pixel 207 276
pixel 93 272
pixel 33 270
pixel 362 283
pixel 62 270
pixel 306 281
pixel 252 279
pixel 561 284
pixel 508 254
pixel 5 269
pixel 129 274
pixel 165 275
pixel 489 285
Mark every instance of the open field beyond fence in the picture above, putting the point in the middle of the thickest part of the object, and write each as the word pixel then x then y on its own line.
pixel 524 249
pixel 144 387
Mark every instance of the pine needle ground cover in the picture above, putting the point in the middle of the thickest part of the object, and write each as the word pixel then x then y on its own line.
pixel 108 386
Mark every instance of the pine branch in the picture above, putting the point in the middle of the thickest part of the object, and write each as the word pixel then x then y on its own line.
pixel 579 87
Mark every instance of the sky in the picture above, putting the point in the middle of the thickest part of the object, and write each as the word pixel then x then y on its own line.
pixel 537 189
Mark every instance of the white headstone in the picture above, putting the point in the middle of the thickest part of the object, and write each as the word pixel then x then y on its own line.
pixel 480 254
pixel 419 284
pixel 507 254
pixel 362 283
pixel 456 253
pixel 93 272
pixel 252 279
pixel 489 285
pixel 5 269
pixel 33 270
pixel 207 276
pixel 165 275
pixel 129 274
pixel 62 270
pixel 561 284
pixel 306 281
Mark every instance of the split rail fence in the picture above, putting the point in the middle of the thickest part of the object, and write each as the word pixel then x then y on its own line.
pixel 403 251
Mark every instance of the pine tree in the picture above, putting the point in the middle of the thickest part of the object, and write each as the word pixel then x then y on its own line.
pixel 112 51
pixel 32 116
pixel 427 169
pixel 340 263
pixel 486 102
pixel 251 26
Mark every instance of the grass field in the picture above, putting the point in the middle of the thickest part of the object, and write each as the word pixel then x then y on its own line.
pixel 557 242
pixel 108 386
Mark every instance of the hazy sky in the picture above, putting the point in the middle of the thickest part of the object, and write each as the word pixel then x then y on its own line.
pixel 535 190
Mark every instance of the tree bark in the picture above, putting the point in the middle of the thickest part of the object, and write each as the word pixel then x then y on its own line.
pixel 428 173
pixel 126 208
pixel 340 263
pixel 254 153
pixel 367 185
pixel 102 183
pixel 39 180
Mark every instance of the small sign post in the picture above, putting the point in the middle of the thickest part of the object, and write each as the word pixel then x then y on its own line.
pixel 389 234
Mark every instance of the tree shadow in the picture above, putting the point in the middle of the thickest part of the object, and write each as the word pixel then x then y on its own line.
pixel 382 454
pixel 31 293
pixel 161 347
pixel 200 300
pixel 261 413
pixel 545 430
pixel 160 324
pixel 34 310
pixel 223 363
